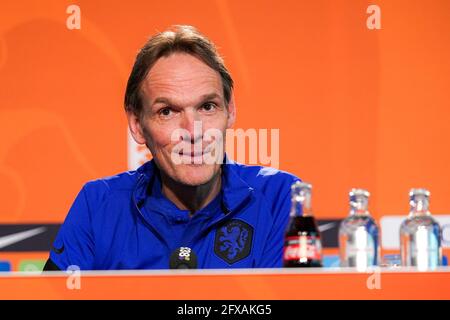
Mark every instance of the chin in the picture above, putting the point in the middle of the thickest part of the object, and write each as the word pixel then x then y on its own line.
pixel 195 175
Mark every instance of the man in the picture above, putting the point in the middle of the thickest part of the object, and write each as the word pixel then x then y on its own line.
pixel 178 210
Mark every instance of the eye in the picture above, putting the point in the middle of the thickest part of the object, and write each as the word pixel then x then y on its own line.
pixel 165 112
pixel 209 106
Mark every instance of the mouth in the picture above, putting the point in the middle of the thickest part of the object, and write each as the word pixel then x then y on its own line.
pixel 192 154
pixel 187 156
pixel 195 153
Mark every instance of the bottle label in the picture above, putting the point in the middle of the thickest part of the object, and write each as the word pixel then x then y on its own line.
pixel 361 249
pixel 425 253
pixel 302 248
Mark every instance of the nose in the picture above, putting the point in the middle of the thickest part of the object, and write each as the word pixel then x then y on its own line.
pixel 192 123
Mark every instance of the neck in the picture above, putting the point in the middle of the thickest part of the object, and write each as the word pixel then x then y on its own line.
pixel 192 198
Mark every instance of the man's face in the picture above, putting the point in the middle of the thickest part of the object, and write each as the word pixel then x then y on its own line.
pixel 179 91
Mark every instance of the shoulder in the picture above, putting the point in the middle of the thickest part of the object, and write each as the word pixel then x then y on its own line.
pixel 119 184
pixel 263 179
pixel 122 182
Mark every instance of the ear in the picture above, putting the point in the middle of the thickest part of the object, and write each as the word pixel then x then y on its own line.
pixel 231 112
pixel 135 128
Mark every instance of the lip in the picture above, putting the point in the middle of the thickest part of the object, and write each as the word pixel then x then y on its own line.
pixel 194 154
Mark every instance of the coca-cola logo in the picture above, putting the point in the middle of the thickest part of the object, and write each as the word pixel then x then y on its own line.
pixel 302 248
pixel 292 253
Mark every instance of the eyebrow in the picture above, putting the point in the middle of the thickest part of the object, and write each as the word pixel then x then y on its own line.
pixel 205 97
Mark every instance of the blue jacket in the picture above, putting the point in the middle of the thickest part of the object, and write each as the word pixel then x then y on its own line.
pixel 125 222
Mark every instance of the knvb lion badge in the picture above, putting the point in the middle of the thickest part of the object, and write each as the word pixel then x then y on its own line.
pixel 233 241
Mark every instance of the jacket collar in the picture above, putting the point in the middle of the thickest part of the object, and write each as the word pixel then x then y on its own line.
pixel 235 191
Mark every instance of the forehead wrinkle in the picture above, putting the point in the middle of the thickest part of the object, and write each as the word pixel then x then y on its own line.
pixel 182 83
pixel 186 97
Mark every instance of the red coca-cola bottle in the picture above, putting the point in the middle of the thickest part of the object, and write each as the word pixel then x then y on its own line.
pixel 302 245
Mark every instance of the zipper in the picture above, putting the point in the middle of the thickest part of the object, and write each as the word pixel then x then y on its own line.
pixel 145 220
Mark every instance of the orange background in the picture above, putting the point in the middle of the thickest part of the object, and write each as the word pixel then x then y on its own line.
pixel 355 107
